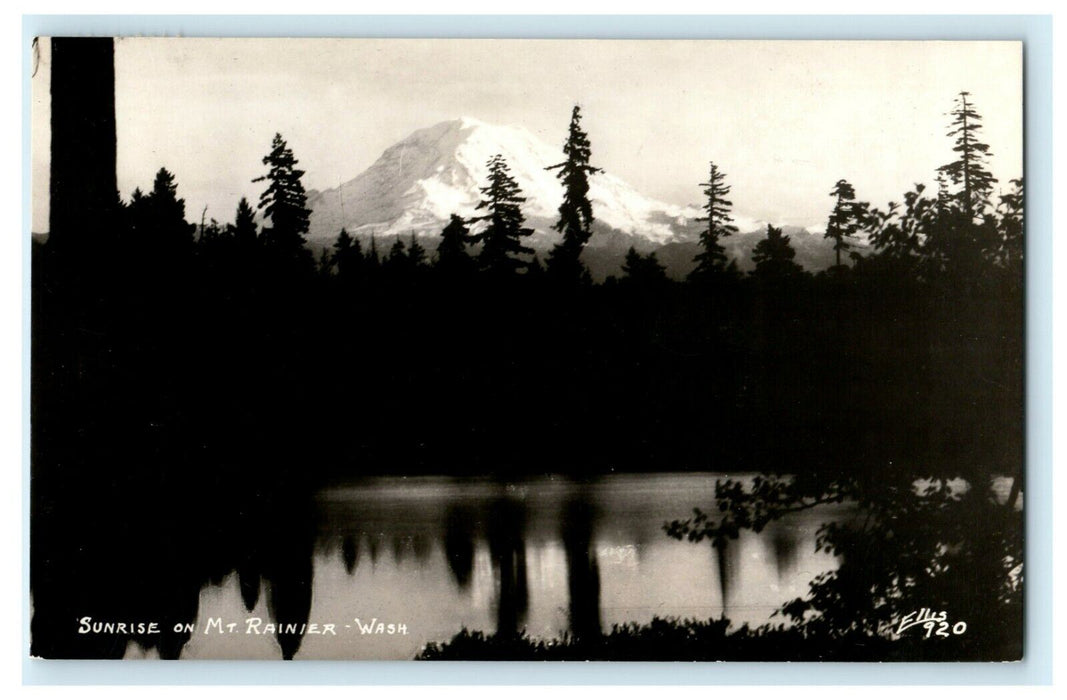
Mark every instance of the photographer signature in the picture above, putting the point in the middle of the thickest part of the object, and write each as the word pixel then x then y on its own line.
pixel 936 624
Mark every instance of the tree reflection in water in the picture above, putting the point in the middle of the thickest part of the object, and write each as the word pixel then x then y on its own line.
pixel 583 573
pixel 507 550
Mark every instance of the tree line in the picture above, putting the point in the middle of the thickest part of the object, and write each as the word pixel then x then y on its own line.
pixel 958 232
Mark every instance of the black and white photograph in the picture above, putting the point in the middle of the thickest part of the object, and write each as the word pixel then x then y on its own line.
pixel 527 349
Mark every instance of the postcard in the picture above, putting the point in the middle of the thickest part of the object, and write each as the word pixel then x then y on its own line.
pixel 514 349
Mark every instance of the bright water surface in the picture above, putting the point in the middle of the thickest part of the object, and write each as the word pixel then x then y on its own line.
pixel 439 554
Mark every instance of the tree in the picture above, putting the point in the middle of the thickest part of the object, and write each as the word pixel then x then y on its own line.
pixel 284 200
pixel 899 235
pixel 168 210
pixel 576 211
pixel 347 255
pixel 325 263
pixel 243 229
pixel 82 182
pixel 535 272
pixel 452 250
pixel 711 261
pixel 502 238
pixel 416 253
pixel 158 219
pixel 211 233
pixel 1010 253
pixel 913 548
pixel 644 270
pixel 969 171
pixel 373 260
pixel 774 255
pixel 847 218
pixel 396 263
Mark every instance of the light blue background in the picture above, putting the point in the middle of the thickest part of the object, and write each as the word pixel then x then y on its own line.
pixel 1035 31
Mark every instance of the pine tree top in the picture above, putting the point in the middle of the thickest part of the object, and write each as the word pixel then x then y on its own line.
pixel 719 218
pixel 501 237
pixel 284 200
pixel 577 149
pixel 969 171
pixel 344 241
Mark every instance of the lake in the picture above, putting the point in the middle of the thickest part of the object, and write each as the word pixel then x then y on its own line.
pixel 549 556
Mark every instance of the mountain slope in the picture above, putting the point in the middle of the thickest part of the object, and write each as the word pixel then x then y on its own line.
pixel 419 182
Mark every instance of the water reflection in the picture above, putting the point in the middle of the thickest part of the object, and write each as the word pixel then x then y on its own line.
pixel 507 549
pixel 548 557
pixel 726 555
pixel 784 541
pixel 583 573
pixel 350 553
pixel 250 582
pixel 289 576
pixel 459 543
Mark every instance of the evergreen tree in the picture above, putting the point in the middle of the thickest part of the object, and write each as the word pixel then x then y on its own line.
pixel 284 200
pixel 452 250
pixel 342 245
pixel 211 233
pixel 243 229
pixel 416 253
pixel 969 171
pixel 964 236
pixel 535 271
pixel 347 255
pixel 164 197
pixel 711 261
pixel 644 270
pixel 774 255
pixel 847 218
pixel 1010 253
pixel 502 237
pixel 373 261
pixel 396 262
pixel 326 263
pixel 576 212
pixel 137 214
pixel 168 210
pixel 158 220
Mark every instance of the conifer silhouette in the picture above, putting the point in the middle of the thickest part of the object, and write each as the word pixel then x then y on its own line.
pixel 284 201
pixel 502 237
pixel 452 250
pixel 712 258
pixel 643 269
pixel 1011 224
pixel 347 255
pixel 969 172
pixel 397 261
pixel 243 229
pixel 774 255
pixel 158 221
pixel 846 219
pixel 416 253
pixel 576 212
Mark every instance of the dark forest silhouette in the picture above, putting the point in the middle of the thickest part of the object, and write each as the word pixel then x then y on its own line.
pixel 193 385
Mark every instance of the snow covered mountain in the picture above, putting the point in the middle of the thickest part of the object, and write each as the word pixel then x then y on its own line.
pixel 419 182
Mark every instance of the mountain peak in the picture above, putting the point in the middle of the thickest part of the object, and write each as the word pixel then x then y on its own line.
pixel 420 181
pixel 470 122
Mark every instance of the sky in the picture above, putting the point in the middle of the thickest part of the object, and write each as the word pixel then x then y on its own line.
pixel 784 120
